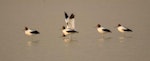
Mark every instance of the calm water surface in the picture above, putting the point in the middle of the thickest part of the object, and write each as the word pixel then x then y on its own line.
pixel 47 16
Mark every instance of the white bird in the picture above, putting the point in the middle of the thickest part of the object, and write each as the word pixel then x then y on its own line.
pixel 102 30
pixel 67 31
pixel 123 29
pixel 70 25
pixel 70 21
pixel 30 32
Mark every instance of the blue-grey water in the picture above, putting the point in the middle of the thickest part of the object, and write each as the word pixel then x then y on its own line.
pixel 47 16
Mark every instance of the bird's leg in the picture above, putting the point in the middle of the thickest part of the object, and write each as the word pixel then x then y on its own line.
pixel 102 36
pixel 124 35
pixel 70 36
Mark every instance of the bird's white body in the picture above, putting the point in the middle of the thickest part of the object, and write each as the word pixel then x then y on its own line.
pixel 123 29
pixel 30 32
pixel 70 25
pixel 65 31
pixel 100 30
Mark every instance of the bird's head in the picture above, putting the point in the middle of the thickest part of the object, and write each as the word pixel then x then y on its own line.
pixel 98 25
pixel 63 35
pixel 26 28
pixel 119 25
pixel 63 27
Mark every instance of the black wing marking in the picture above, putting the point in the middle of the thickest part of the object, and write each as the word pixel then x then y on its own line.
pixel 66 15
pixel 72 16
pixel 72 31
pixel 106 30
pixel 35 32
pixel 128 30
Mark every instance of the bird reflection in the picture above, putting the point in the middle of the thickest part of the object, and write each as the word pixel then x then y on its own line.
pixel 105 38
pixel 68 41
pixel 123 38
pixel 31 43
pixel 101 41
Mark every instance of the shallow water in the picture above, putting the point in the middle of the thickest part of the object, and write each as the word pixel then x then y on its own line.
pixel 47 16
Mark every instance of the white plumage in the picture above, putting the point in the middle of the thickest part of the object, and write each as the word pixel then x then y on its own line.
pixel 30 32
pixel 70 25
pixel 123 29
pixel 102 30
pixel 70 21
pixel 67 31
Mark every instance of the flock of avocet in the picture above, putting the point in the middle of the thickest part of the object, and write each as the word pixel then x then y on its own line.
pixel 70 27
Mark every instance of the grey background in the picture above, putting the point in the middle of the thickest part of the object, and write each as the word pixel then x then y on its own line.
pixel 47 16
